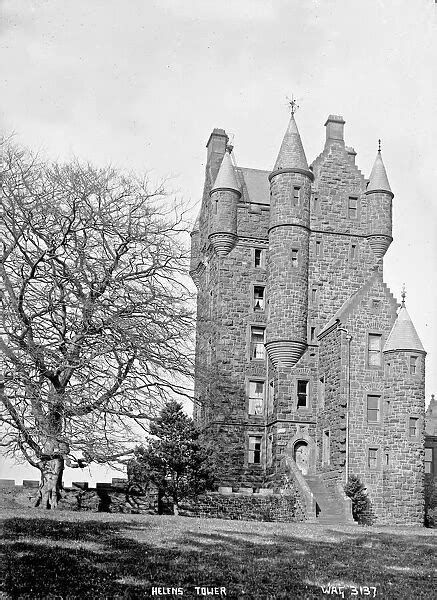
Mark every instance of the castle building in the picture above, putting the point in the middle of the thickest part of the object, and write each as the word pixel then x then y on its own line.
pixel 307 368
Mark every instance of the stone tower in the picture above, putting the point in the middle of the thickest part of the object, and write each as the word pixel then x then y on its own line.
pixel 295 330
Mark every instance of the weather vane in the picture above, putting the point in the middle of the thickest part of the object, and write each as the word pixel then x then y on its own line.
pixel 403 294
pixel 293 104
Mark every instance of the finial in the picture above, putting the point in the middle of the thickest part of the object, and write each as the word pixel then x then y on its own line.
pixel 229 148
pixel 293 104
pixel 432 398
pixel 379 145
pixel 403 294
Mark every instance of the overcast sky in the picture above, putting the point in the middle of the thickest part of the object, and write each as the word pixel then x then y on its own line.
pixel 141 84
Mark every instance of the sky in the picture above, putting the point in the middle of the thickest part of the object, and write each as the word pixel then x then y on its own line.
pixel 141 85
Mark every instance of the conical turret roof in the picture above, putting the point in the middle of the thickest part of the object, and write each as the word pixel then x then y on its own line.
pixel 403 335
pixel 226 178
pixel 378 177
pixel 291 154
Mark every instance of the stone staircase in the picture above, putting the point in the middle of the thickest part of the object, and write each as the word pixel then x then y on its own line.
pixel 332 507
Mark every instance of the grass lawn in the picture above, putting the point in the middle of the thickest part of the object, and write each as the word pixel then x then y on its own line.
pixel 87 555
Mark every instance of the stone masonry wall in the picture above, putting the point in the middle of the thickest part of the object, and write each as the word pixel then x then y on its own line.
pixel 403 476
pixel 255 507
pixel 331 413
pixel 374 313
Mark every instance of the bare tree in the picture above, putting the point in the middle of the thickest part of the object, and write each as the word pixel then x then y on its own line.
pixel 96 318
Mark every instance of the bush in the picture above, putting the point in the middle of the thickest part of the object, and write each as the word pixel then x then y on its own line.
pixel 361 507
pixel 430 502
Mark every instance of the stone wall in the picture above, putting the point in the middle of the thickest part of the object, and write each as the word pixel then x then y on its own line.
pixel 244 506
pixel 115 497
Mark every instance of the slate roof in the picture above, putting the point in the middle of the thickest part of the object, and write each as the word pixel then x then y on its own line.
pixel 378 177
pixel 403 335
pixel 256 183
pixel 226 178
pixel 291 154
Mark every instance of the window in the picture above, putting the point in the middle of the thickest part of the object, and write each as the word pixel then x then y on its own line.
pixel 258 298
pixel 256 397
pixel 322 390
pixel 373 404
pixel 387 406
pixel 294 258
pixel 312 334
pixel 386 459
pixel 254 456
pixel 413 365
pixel 316 204
pixel 372 458
pixel 314 294
pixel 413 426
pixel 318 247
pixel 353 251
pixel 353 208
pixel 388 368
pixel 257 350
pixel 374 350
pixel 376 304
pixel 296 195
pixel 302 393
pixel 326 447
pixel 428 460
pixel 258 258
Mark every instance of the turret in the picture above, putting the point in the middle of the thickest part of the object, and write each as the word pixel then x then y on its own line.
pixel 403 418
pixel 290 187
pixel 380 208
pixel 225 194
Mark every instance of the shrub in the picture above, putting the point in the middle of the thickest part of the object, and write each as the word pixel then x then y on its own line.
pixel 361 507
pixel 430 502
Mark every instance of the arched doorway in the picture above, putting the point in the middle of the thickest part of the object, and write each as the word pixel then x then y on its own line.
pixel 300 455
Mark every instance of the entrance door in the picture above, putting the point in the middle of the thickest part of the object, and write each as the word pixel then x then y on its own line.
pixel 301 457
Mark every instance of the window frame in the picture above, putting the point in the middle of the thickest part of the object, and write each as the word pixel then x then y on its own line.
pixel 371 352
pixel 296 196
pixel 378 408
pixel 252 343
pixel 255 380
pixel 418 423
pixel 413 365
pixel 353 216
pixel 307 393
pixel 374 466
pixel 262 258
pixel 263 298
pixel 250 452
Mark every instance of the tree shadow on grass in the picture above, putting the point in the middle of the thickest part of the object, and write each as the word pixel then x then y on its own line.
pixel 95 559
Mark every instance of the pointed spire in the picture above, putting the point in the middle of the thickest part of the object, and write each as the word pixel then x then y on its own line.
pixel 291 154
pixel 378 177
pixel 226 179
pixel 403 335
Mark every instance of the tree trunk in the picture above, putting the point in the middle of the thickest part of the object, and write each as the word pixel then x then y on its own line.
pixel 50 487
pixel 175 509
